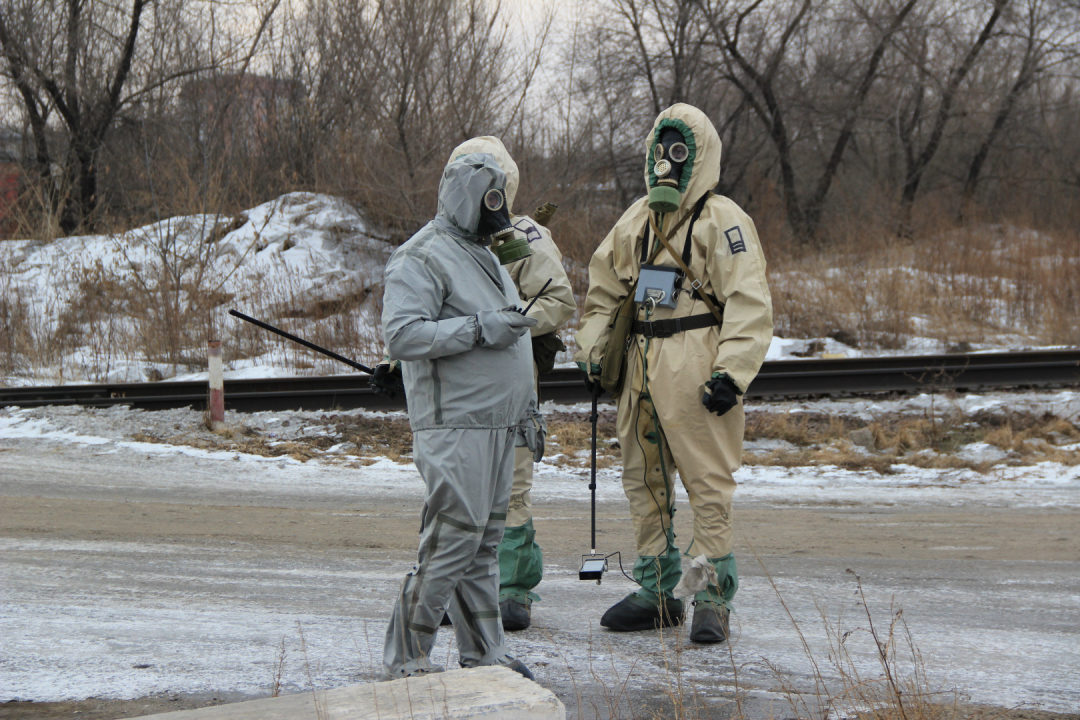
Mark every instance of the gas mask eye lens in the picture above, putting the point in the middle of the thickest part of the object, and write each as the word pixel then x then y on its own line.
pixel 662 168
pixel 658 153
pixel 678 152
pixel 493 200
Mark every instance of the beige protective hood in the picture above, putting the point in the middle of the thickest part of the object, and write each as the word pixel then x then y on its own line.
pixel 702 170
pixel 493 146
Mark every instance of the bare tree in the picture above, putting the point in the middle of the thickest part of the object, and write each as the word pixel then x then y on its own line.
pixel 1042 36
pixel 82 63
pixel 85 92
pixel 930 86
pixel 393 85
pixel 758 41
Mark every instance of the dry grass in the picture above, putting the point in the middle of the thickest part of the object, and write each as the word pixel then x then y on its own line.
pixel 872 669
pixel 569 440
pixel 884 444
pixel 245 441
pixel 894 686
pixel 967 285
pixel 926 441
pixel 388 437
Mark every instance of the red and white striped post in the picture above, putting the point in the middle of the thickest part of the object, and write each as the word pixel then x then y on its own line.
pixel 217 385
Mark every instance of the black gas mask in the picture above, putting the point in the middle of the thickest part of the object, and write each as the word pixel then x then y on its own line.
pixel 669 157
pixel 495 223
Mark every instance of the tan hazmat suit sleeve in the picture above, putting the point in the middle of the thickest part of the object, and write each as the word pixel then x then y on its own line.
pixel 557 304
pixel 736 273
pixel 612 271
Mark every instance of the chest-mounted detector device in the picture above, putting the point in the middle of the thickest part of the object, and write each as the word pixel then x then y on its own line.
pixel 659 286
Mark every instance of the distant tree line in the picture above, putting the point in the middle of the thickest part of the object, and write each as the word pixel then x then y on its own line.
pixel 834 113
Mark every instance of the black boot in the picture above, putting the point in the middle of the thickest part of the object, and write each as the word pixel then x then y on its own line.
pixel 516 615
pixel 632 613
pixel 710 623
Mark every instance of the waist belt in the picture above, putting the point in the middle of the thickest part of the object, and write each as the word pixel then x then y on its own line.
pixel 667 328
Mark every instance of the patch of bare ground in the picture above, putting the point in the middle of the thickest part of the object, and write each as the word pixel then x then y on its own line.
pixel 570 439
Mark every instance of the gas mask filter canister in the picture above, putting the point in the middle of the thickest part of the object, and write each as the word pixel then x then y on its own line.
pixel 495 222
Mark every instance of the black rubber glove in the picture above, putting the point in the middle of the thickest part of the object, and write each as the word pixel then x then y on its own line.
pixel 720 395
pixel 590 384
pixel 387 380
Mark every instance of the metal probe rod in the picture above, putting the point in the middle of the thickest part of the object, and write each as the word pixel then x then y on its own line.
pixel 305 343
pixel 592 479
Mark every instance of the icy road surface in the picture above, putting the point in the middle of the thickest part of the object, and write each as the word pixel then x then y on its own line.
pixel 133 568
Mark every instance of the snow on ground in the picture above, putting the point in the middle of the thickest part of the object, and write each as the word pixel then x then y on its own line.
pixel 104 294
pixel 200 618
pixel 1042 484
pixel 74 624
pixel 317 242
pixel 279 258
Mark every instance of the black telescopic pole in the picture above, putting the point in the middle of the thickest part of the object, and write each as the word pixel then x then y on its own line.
pixel 305 343
pixel 536 297
pixel 592 480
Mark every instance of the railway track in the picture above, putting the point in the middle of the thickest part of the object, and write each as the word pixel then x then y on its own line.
pixel 777 380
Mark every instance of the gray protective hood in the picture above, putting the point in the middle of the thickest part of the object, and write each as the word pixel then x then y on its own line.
pixel 493 146
pixel 461 190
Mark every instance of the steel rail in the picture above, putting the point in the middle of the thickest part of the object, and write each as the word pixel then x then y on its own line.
pixel 777 379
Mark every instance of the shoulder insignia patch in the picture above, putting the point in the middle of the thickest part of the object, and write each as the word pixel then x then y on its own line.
pixel 526 226
pixel 735 240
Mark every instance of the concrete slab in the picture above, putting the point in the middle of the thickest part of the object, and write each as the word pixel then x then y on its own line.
pixel 488 693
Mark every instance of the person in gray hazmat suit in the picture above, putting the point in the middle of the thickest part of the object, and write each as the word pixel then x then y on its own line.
pixel 521 561
pixel 451 316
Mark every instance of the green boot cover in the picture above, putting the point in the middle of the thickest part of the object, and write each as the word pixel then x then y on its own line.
pixel 658 575
pixel 728 575
pixel 521 564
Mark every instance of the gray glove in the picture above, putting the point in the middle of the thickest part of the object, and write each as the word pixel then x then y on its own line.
pixel 501 328
pixel 532 432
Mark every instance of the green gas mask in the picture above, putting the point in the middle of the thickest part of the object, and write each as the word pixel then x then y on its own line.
pixel 669 157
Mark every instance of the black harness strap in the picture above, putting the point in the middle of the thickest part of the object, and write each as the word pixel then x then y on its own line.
pixel 687 251
pixel 688 245
pixel 667 328
pixel 698 207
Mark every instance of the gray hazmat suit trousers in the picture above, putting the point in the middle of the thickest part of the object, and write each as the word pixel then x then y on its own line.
pixel 469 474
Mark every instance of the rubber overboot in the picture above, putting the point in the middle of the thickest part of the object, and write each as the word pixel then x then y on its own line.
pixel 519 667
pixel 710 623
pixel 516 615
pixel 632 613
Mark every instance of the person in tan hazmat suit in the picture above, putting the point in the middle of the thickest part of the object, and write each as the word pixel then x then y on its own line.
pixel 520 556
pixel 679 395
